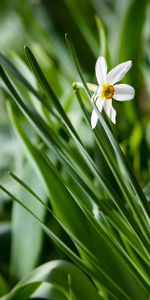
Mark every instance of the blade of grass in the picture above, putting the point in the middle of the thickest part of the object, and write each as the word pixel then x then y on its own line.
pixel 119 203
pixel 65 229
pixel 16 95
pixel 44 83
pixel 101 230
pixel 14 71
pixel 48 136
pixel 104 48
pixel 112 287
pixel 136 190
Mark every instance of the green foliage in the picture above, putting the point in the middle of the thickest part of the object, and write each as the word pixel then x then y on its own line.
pixel 80 191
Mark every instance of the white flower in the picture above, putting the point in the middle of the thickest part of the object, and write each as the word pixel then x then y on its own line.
pixel 108 89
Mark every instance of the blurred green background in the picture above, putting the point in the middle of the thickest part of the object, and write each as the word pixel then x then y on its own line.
pixel 42 26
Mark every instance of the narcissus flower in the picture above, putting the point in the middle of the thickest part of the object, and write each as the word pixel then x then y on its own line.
pixel 108 89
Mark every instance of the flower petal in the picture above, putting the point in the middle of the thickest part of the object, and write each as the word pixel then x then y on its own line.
pixel 95 95
pixel 123 92
pixel 100 104
pixel 94 119
pixel 110 111
pixel 117 73
pixel 94 116
pixel 113 115
pixel 92 87
pixel 108 106
pixel 101 70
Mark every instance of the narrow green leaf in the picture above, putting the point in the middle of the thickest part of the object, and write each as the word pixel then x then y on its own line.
pixel 113 288
pixel 47 88
pixel 122 254
pixel 24 256
pixel 130 194
pixel 104 49
pixel 114 196
pixel 23 292
pixel 14 71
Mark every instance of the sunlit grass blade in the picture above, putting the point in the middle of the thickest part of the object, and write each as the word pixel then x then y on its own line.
pixel 23 292
pixel 23 222
pixel 56 273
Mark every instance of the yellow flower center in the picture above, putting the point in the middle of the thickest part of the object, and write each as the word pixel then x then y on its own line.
pixel 107 91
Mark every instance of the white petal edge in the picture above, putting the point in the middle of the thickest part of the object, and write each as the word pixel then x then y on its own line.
pixel 110 111
pixel 117 73
pixel 100 103
pixel 93 98
pixel 101 70
pixel 94 119
pixel 92 87
pixel 123 92
pixel 95 95
pixel 94 116
pixel 113 115
pixel 108 106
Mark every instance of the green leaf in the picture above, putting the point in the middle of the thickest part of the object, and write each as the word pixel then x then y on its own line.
pixel 47 88
pixel 134 20
pixel 23 292
pixel 80 237
pixel 17 74
pixel 80 12
pixel 25 229
pixel 104 48
pixel 3 286
pixel 119 167
pixel 55 279
pixel 131 47
pixel 94 245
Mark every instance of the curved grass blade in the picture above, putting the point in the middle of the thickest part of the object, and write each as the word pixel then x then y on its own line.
pixel 23 292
